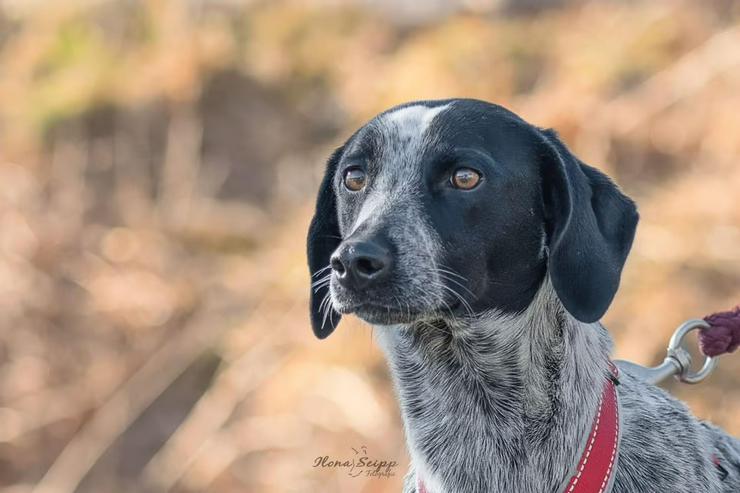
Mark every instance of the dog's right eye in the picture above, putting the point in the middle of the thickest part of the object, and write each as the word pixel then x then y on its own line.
pixel 354 179
pixel 465 178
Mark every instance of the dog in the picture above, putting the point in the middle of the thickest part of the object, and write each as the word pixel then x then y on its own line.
pixel 484 254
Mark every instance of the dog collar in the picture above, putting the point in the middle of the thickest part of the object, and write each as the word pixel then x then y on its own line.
pixel 594 472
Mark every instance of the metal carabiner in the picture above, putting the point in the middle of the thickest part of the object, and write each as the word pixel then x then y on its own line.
pixel 677 362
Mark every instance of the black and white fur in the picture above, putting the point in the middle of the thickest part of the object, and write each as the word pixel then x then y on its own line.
pixel 488 304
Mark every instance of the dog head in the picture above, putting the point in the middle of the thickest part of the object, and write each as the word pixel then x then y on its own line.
pixel 447 209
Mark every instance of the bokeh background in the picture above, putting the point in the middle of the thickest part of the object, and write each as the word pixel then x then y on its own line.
pixel 158 164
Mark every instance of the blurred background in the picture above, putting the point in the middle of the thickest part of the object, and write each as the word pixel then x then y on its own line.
pixel 158 166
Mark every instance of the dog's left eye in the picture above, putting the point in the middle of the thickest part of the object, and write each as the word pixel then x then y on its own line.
pixel 354 179
pixel 465 178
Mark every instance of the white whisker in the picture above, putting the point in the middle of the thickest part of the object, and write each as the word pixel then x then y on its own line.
pixel 323 269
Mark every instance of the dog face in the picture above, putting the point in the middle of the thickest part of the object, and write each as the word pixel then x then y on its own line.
pixel 447 209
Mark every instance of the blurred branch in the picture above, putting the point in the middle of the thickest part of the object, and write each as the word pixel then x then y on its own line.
pixel 210 414
pixel 181 165
pixel 232 384
pixel 114 417
pixel 33 413
pixel 630 111
pixel 687 76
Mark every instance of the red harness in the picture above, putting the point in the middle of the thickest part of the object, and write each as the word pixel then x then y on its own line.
pixel 595 469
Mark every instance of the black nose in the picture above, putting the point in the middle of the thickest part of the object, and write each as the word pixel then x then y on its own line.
pixel 357 265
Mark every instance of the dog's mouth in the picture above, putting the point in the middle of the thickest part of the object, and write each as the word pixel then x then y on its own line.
pixel 400 303
pixel 383 314
pixel 399 313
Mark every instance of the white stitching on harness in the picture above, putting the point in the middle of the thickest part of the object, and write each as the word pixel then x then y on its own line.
pixel 614 447
pixel 590 446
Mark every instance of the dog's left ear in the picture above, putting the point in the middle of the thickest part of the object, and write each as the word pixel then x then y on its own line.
pixel 323 239
pixel 591 225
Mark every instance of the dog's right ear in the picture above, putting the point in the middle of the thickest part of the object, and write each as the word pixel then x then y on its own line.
pixel 591 228
pixel 323 239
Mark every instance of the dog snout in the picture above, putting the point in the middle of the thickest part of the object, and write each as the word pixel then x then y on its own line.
pixel 358 265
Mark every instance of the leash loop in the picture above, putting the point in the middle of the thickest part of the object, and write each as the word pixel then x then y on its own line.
pixel 678 360
pixel 683 357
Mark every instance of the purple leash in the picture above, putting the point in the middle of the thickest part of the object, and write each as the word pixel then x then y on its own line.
pixel 723 334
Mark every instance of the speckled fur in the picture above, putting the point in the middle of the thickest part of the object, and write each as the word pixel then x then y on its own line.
pixel 501 404
pixel 497 402
pixel 399 137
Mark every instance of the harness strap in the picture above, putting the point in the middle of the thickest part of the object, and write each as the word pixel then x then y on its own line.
pixel 595 470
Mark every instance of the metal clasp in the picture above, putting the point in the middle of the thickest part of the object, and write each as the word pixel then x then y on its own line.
pixel 677 362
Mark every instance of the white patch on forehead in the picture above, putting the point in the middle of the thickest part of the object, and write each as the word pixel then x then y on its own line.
pixel 371 205
pixel 414 120
pixel 403 130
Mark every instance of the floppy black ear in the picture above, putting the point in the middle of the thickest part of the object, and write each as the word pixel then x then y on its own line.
pixel 591 226
pixel 323 239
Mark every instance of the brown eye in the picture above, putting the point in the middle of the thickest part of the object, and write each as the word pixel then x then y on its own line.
pixel 354 179
pixel 465 178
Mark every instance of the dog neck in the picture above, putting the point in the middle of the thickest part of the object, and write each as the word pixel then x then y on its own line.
pixel 500 403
